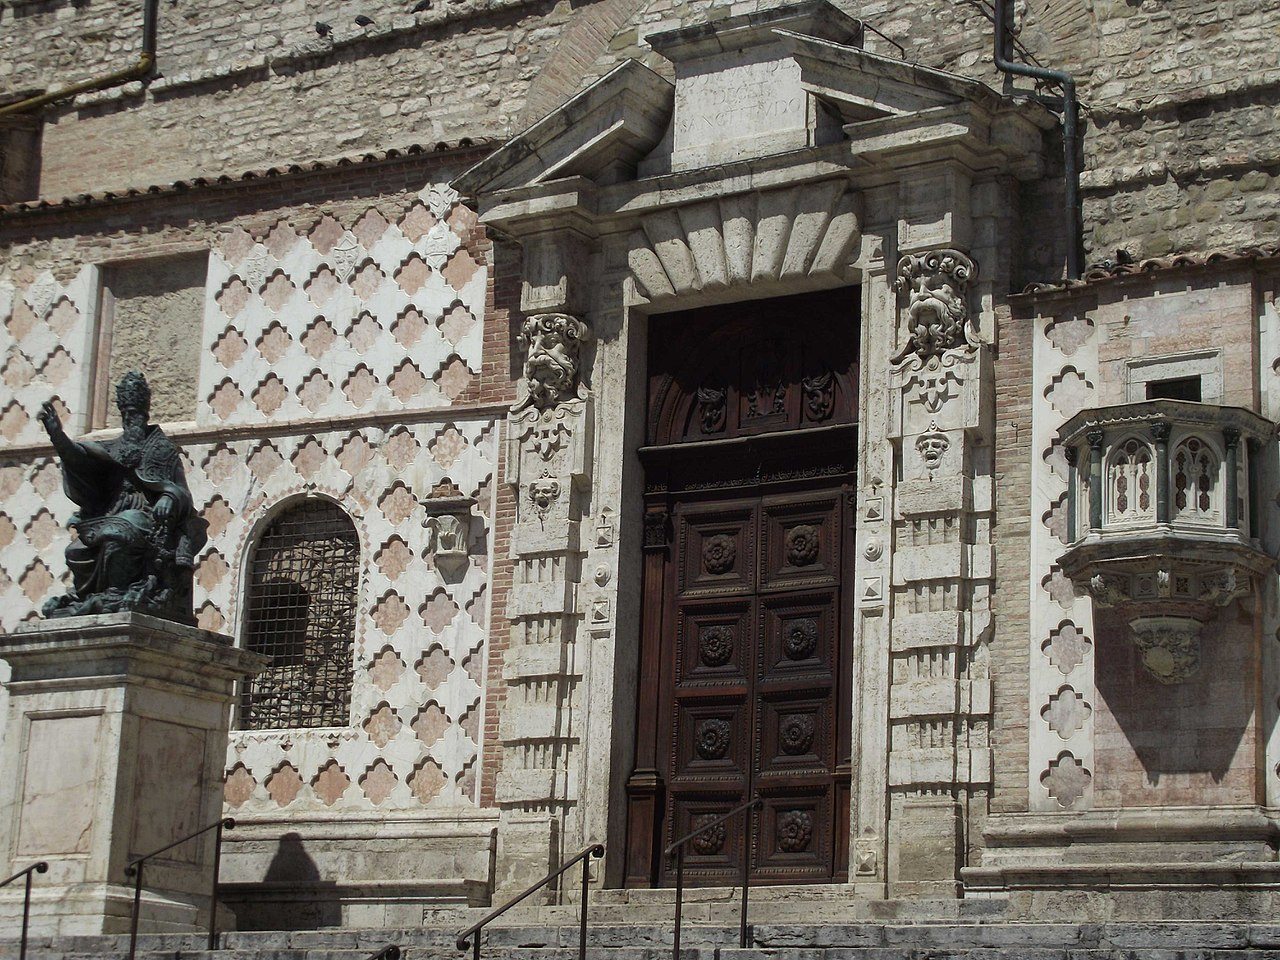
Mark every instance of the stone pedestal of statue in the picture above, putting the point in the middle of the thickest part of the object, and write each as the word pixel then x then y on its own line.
pixel 115 743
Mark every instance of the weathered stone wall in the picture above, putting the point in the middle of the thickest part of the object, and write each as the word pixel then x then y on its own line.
pixel 1180 96
pixel 50 44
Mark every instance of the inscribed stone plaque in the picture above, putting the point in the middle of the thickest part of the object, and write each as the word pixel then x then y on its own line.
pixel 59 785
pixel 729 106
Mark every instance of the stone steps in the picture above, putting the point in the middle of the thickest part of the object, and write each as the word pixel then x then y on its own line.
pixel 934 940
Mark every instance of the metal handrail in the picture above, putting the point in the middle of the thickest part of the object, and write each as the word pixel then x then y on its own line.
pixel 390 952
pixel 40 867
pixel 678 849
pixel 134 869
pixel 470 938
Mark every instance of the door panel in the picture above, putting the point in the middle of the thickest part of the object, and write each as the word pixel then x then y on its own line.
pixel 712 634
pixel 749 462
pixel 754 689
pixel 800 540
pixel 716 549
pixel 794 839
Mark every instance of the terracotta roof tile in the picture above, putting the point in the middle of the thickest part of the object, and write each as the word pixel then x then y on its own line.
pixel 249 176
pixel 1109 270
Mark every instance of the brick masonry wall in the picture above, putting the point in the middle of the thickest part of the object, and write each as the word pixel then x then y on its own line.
pixel 1180 96
pixel 498 380
pixel 1008 656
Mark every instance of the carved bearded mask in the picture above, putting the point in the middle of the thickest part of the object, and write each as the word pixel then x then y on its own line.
pixel 551 342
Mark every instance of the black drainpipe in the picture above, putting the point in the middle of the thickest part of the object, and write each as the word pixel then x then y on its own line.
pixel 1070 132
pixel 141 70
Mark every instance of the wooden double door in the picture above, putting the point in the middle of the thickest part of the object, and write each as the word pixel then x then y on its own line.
pixel 758 683
pixel 745 661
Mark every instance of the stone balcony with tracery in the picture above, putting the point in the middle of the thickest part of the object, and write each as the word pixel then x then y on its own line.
pixel 1164 518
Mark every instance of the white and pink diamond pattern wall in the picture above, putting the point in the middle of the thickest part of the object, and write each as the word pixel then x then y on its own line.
pixel 420 641
pixel 378 320
pixel 328 321
pixel 45 343
pixel 420 637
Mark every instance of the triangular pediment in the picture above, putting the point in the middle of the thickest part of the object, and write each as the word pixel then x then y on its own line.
pixel 599 134
pixel 861 85
pixel 758 85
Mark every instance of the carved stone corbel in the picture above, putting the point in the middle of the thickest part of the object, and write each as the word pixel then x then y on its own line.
pixel 449 522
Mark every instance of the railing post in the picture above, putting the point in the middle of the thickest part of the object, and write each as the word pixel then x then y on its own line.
pixel 26 916
pixel 1095 480
pixel 213 890
pixel 746 874
pixel 1073 491
pixel 1231 439
pixel 675 948
pixel 137 902
pixel 1160 431
pixel 27 876
pixel 582 922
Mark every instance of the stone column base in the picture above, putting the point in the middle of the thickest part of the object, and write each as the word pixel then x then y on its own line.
pixel 526 853
pixel 1169 863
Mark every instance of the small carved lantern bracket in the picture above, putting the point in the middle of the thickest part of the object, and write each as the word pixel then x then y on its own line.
pixel 449 522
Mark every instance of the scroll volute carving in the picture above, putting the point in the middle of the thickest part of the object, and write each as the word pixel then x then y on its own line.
pixel 448 521
pixel 751 368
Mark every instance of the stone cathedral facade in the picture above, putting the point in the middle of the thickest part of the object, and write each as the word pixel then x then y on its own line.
pixel 608 412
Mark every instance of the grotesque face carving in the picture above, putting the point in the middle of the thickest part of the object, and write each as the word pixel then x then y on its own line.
pixel 932 446
pixel 937 311
pixel 551 342
pixel 543 492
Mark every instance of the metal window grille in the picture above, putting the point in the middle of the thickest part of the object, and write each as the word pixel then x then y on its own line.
pixel 303 586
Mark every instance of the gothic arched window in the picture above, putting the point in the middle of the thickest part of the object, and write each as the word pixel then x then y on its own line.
pixel 304 577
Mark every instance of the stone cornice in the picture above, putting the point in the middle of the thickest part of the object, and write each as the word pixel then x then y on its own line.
pixel 189 432
pixel 261 179
pixel 1174 411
